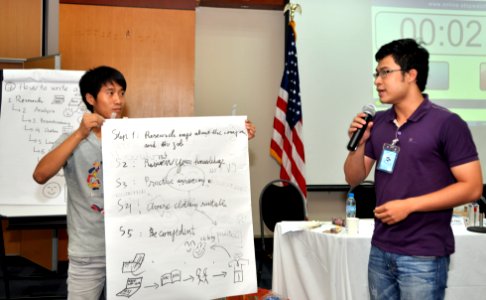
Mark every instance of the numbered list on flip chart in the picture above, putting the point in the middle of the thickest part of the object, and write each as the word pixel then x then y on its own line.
pixel 178 208
pixel 37 107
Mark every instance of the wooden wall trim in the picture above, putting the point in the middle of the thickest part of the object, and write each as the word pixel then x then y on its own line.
pixel 166 4
pixel 247 4
pixel 185 4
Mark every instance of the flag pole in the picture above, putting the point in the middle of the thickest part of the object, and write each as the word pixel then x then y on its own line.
pixel 287 146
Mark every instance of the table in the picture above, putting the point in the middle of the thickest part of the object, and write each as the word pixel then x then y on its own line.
pixel 310 264
pixel 21 219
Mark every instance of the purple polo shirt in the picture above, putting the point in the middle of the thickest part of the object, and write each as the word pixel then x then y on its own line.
pixel 432 141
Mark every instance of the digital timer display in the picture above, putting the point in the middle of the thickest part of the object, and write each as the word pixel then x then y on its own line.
pixel 442 34
pixel 456 41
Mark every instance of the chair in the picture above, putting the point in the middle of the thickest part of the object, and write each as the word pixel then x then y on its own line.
pixel 482 203
pixel 280 200
pixel 365 196
pixel 482 209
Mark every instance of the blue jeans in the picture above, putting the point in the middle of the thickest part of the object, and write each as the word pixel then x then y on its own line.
pixel 394 276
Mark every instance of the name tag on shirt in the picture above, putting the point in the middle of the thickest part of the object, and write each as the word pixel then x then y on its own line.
pixel 388 158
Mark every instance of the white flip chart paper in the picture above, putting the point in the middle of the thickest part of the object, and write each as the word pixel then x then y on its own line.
pixel 178 218
pixel 37 107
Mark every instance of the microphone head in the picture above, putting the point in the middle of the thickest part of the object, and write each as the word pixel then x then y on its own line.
pixel 369 109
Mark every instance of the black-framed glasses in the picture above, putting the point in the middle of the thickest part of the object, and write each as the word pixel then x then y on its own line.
pixel 384 73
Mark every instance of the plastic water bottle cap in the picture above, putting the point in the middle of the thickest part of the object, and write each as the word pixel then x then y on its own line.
pixel 351 195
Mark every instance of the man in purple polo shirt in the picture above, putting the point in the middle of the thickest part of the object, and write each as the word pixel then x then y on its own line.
pixel 426 164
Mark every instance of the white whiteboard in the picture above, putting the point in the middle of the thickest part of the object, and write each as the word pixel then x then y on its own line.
pixel 37 106
pixel 178 220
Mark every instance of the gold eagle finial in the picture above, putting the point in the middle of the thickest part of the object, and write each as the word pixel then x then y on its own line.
pixel 292 7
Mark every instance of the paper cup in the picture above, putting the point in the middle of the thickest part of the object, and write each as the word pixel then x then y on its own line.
pixel 352 225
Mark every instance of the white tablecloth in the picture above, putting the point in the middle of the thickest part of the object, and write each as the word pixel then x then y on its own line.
pixel 310 264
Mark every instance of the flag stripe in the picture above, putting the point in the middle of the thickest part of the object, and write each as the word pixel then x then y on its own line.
pixel 286 146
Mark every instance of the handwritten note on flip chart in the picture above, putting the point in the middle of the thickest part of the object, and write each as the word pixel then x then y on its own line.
pixel 37 107
pixel 178 218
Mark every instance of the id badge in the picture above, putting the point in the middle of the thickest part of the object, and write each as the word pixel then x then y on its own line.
pixel 388 158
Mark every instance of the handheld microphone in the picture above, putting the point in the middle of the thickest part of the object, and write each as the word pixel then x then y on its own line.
pixel 370 111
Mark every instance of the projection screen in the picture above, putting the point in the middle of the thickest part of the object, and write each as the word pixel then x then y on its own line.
pixel 336 43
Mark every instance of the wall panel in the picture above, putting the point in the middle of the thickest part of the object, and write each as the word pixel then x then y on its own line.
pixel 20 28
pixel 153 48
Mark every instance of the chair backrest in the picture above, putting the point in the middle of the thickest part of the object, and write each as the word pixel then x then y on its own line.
pixel 482 203
pixel 365 196
pixel 281 200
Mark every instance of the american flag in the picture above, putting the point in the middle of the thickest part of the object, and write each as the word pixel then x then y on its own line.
pixel 286 146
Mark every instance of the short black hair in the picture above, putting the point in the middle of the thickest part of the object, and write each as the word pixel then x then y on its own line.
pixel 92 81
pixel 408 54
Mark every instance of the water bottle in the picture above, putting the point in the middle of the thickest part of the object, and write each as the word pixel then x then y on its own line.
pixel 470 214
pixel 350 206
pixel 476 213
